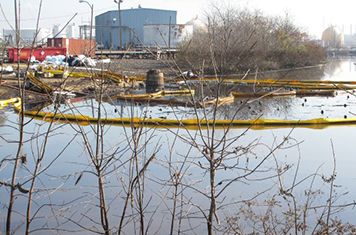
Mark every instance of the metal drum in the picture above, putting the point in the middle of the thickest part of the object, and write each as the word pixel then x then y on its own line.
pixel 154 81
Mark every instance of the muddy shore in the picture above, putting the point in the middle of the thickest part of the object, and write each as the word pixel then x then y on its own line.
pixel 86 86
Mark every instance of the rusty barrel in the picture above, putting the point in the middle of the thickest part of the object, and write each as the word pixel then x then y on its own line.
pixel 154 81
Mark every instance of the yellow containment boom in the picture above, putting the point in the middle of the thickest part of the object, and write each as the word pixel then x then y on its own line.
pixel 179 92
pixel 154 97
pixel 148 96
pixel 216 101
pixel 256 123
pixel 5 103
pixel 262 94
pixel 271 81
pixel 321 85
pixel 115 77
pixel 311 86
pixel 299 92
pixel 138 96
pixel 303 92
pixel 298 84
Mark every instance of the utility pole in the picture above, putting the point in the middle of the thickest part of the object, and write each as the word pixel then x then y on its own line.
pixel 120 22
pixel 169 32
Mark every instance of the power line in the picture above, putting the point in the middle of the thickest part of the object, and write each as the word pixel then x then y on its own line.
pixel 56 17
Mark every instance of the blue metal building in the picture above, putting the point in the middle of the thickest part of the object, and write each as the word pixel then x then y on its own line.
pixel 107 26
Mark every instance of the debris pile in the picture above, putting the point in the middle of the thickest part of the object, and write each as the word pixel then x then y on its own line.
pixel 7 70
pixel 56 61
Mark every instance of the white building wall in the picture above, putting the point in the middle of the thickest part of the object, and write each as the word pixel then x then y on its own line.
pixel 56 31
pixel 43 35
pixel 157 35
pixel 70 31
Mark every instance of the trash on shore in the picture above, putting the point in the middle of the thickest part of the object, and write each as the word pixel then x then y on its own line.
pixel 189 74
pixel 7 70
pixel 56 61
pixel 80 60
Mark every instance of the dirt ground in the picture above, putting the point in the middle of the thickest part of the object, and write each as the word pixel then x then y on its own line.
pixel 84 86
pixel 141 66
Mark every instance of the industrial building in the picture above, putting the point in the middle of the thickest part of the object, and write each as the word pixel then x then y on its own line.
pixel 67 32
pixel 107 26
pixel 332 38
pixel 27 36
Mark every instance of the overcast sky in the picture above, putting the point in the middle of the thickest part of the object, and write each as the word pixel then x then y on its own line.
pixel 311 15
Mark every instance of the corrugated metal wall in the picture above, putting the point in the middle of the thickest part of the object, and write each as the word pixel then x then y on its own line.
pixel 73 46
pixel 133 21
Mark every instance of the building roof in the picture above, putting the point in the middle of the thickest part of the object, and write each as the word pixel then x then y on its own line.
pixel 137 10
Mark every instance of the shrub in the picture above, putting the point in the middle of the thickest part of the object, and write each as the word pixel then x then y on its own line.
pixel 237 40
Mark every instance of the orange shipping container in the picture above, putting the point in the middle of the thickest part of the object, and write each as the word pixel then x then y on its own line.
pixel 74 46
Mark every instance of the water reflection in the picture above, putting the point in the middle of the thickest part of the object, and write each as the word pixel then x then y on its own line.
pixel 286 108
pixel 340 70
pixel 2 117
pixel 75 199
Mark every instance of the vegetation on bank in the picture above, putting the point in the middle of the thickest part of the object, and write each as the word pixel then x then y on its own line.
pixel 237 40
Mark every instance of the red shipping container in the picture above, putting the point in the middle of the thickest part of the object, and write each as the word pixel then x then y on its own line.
pixel 39 53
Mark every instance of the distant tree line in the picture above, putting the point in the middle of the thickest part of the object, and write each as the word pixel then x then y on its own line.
pixel 236 40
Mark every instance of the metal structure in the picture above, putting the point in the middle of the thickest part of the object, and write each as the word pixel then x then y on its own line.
pixel 84 31
pixel 120 22
pixel 108 26
pixel 91 21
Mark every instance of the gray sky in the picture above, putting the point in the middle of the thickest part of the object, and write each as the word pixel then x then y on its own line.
pixel 311 15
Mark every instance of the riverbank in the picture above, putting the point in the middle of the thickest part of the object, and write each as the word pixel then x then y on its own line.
pixel 84 85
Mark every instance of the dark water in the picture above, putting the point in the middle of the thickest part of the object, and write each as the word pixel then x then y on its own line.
pixel 66 205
